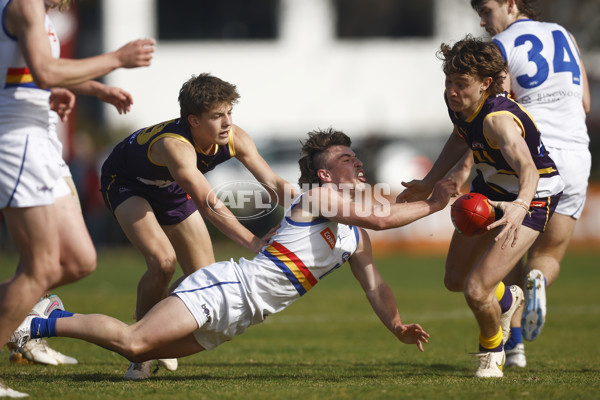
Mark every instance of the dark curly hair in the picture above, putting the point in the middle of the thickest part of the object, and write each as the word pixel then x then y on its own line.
pixel 313 153
pixel 525 7
pixel 475 57
pixel 203 92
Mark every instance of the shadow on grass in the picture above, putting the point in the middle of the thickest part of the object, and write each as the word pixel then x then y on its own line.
pixel 246 371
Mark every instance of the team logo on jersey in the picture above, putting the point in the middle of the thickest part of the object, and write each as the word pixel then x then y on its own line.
pixel 345 257
pixel 329 237
pixel 477 146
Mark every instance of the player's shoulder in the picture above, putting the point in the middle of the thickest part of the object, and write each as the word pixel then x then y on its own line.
pixel 241 140
pixel 527 27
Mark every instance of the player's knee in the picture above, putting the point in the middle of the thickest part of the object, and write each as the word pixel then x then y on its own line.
pixel 163 267
pixel 80 265
pixel 453 284
pixel 453 281
pixel 475 295
pixel 48 275
pixel 135 349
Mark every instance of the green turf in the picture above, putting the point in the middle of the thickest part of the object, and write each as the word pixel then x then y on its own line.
pixel 329 345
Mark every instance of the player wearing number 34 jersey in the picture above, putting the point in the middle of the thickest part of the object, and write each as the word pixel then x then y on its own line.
pixel 549 85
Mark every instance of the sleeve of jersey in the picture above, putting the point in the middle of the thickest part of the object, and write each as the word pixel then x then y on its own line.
pixel 501 47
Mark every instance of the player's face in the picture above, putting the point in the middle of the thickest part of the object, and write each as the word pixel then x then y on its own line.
pixel 494 17
pixel 343 167
pixel 212 127
pixel 464 93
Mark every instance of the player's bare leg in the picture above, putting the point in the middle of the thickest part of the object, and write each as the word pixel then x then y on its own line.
pixel 77 251
pixel 193 247
pixel 192 243
pixel 165 331
pixel 142 229
pixel 480 289
pixel 34 232
pixel 549 249
pixel 487 273
pixel 462 256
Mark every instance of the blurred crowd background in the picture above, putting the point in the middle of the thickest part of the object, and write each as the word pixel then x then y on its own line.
pixel 365 67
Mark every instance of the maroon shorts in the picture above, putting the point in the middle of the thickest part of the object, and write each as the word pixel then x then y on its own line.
pixel 171 204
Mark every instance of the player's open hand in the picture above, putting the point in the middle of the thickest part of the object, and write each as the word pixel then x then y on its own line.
pixel 259 243
pixel 62 101
pixel 121 99
pixel 412 334
pixel 137 53
pixel 514 214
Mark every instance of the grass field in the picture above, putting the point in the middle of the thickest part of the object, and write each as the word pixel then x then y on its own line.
pixel 329 345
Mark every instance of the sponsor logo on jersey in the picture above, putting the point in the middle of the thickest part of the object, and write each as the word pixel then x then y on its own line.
pixel 207 312
pixel 329 237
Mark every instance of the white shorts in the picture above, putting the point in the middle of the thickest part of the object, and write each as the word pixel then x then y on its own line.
pixel 574 166
pixel 217 300
pixel 30 169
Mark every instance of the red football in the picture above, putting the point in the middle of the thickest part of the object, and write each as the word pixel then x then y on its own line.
pixel 471 214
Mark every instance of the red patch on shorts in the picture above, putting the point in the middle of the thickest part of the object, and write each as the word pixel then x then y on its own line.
pixel 538 204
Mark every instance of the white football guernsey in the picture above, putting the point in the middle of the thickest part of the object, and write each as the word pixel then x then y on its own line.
pixel 545 71
pixel 22 103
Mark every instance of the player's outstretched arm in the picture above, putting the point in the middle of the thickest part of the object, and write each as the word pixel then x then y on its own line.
pixel 337 207
pixel 380 295
pixel 24 19
pixel 121 99
pixel 180 157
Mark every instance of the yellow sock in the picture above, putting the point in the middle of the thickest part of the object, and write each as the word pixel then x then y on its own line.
pixel 500 291
pixel 492 342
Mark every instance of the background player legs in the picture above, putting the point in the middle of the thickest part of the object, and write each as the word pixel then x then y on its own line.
pixel 34 232
pixel 140 226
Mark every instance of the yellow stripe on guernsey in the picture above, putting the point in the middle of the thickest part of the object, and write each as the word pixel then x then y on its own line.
pixel 19 77
pixel 525 111
pixel 231 144
pixel 472 116
pixel 162 136
pixel 289 263
pixel 483 155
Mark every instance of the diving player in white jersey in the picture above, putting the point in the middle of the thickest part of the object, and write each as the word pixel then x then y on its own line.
pixel 42 217
pixel 548 78
pixel 319 232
